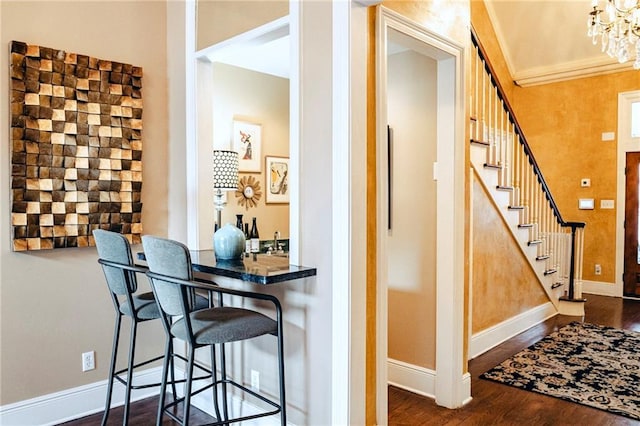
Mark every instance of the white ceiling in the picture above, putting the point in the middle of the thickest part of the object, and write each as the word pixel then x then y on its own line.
pixel 542 41
pixel 546 40
pixel 270 57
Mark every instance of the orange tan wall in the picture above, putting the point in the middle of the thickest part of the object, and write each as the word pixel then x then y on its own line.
pixel 501 290
pixel 452 20
pixel 563 123
pixel 484 30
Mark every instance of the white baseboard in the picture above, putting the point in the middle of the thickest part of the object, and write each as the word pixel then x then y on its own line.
pixel 237 407
pixel 601 288
pixel 493 336
pixel 75 403
pixel 420 380
pixel 413 378
pixel 89 399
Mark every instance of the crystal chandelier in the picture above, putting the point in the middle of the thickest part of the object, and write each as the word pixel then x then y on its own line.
pixel 618 26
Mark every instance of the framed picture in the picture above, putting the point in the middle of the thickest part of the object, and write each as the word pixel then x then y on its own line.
pixel 277 177
pixel 247 142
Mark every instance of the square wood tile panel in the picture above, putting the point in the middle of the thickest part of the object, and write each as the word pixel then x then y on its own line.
pixel 76 148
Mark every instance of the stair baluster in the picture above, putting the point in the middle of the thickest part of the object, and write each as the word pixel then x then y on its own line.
pixel 558 243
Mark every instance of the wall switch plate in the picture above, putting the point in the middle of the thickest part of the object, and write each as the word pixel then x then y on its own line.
pixel 585 182
pixel 598 269
pixel 585 204
pixel 608 136
pixel 607 204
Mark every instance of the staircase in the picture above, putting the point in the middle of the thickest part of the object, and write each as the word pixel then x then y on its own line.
pixel 503 162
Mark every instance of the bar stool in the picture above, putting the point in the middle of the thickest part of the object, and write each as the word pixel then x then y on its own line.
pixel 119 270
pixel 171 275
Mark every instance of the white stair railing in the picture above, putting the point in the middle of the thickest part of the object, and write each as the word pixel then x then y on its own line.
pixel 558 243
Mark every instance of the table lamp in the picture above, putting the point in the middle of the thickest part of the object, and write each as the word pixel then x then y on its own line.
pixel 225 178
pixel 228 241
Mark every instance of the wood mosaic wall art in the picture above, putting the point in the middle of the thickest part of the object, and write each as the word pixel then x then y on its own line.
pixel 76 133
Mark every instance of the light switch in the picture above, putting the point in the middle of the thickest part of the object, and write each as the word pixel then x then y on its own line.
pixel 607 204
pixel 608 136
pixel 585 182
pixel 585 204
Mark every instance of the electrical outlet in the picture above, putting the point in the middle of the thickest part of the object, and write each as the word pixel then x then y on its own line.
pixel 598 269
pixel 255 380
pixel 89 361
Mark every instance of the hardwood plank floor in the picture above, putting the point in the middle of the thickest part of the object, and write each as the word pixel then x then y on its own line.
pixel 497 404
pixel 492 404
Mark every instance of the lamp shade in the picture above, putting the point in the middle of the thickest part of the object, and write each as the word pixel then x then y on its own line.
pixel 225 170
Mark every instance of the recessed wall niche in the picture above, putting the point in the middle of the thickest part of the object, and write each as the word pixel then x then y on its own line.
pixel 76 148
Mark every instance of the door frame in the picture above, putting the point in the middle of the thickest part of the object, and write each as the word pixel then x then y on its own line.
pixel 453 384
pixel 625 144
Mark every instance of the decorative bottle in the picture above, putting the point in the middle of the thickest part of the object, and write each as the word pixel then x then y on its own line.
pixel 247 239
pixel 255 237
pixel 239 221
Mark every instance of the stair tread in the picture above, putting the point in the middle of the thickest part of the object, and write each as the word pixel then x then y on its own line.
pixel 525 225
pixel 516 207
pixel 504 188
pixel 543 257
pixel 555 285
pixel 477 142
pixel 492 166
pixel 550 271
pixel 533 242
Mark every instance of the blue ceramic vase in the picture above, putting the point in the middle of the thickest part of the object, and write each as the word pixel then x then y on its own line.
pixel 228 242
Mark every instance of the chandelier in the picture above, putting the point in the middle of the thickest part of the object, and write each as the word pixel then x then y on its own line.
pixel 618 26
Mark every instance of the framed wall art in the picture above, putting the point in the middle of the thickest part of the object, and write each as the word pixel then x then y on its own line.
pixel 247 142
pixel 277 176
pixel 76 148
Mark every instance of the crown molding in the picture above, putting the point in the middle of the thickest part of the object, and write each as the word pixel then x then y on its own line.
pixel 569 71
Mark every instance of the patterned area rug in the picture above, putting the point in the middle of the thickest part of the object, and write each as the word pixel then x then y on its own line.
pixel 584 363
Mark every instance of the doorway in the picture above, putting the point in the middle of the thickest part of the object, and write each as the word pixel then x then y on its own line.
pixel 627 193
pixel 445 172
pixel 631 234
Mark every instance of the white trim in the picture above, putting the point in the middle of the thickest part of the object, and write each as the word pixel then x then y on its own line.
pixel 600 288
pixel 625 144
pixel 452 389
pixel 491 337
pixel 411 377
pixel 75 403
pixel 569 71
pixel 596 65
pixel 295 119
pixel 190 154
pixel 420 380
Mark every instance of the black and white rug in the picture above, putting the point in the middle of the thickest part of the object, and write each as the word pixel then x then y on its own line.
pixel 584 363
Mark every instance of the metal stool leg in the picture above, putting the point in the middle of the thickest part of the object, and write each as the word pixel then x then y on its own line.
pixel 214 378
pixel 223 374
pixel 283 403
pixel 112 368
pixel 168 360
pixel 187 386
pixel 132 351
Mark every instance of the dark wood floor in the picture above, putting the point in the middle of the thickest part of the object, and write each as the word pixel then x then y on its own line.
pixel 497 404
pixel 492 404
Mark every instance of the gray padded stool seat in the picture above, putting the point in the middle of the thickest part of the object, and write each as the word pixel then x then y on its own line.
pixel 171 275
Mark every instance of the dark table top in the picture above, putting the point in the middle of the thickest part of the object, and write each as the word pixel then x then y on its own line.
pixel 260 269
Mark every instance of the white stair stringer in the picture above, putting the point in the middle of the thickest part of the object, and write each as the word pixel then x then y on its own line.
pixel 488 178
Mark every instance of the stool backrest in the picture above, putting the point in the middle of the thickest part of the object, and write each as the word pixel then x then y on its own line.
pixel 115 247
pixel 172 259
